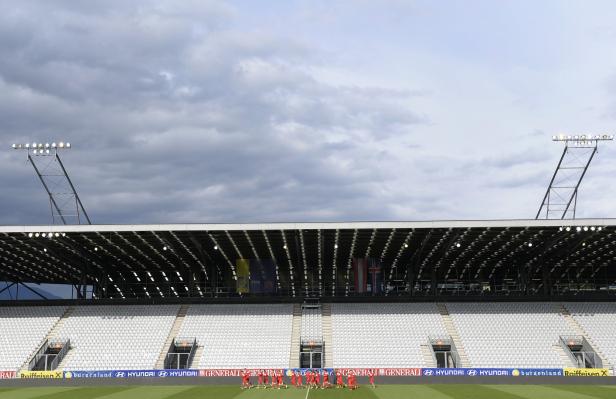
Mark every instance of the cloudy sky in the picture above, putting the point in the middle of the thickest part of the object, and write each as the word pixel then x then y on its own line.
pixel 207 111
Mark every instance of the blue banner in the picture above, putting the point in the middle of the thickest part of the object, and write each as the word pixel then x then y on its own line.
pixel 537 372
pixel 132 373
pixel 481 372
pixel 470 372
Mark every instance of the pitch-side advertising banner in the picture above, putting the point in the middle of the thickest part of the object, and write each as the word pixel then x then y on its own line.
pixel 470 372
pixel 131 373
pixel 395 372
pixel 7 374
pixel 237 372
pixel 571 372
pixel 41 374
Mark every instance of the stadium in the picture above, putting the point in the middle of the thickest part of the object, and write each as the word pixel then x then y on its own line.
pixel 307 199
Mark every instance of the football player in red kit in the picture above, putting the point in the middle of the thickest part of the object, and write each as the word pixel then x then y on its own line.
pixel 352 381
pixel 281 381
pixel 298 380
pixel 326 383
pixel 293 378
pixel 317 379
pixel 339 380
pixel 371 377
pixel 260 379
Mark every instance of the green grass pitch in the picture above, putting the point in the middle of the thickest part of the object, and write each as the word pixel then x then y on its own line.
pixel 445 391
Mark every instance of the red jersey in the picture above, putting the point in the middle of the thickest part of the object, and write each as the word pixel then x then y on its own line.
pixel 265 378
pixel 317 378
pixel 299 380
pixel 293 379
pixel 339 380
pixel 260 375
pixel 325 378
pixel 280 381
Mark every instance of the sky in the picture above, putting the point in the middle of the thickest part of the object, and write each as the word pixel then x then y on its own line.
pixel 305 110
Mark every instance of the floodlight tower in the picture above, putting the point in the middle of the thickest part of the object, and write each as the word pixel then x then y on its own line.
pixel 560 199
pixel 64 202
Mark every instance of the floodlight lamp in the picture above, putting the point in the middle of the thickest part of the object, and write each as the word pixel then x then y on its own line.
pixel 568 228
pixel 458 245
pixel 95 249
pixel 554 138
pixel 27 145
pixel 14 146
pixel 599 228
pixel 68 145
pixel 165 248
pixel 50 235
pixel 530 244
pixel 592 228
pixel 215 247
pixel 36 235
pixel 578 228
pixel 61 144
pixel 284 246
pixel 585 228
pixel 30 235
pixel 53 145
pixel 46 145
pixel 43 234
pixel 560 228
pixel 46 151
pixel 44 249
pixel 335 246
pixel 41 145
pixel 34 152
pixel 406 245
pixel 33 145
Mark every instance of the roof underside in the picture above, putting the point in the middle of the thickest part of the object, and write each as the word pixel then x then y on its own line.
pixel 310 258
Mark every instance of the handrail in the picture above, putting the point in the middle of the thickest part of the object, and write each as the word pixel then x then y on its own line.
pixel 39 354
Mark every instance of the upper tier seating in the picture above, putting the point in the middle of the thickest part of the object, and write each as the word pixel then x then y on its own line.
pixel 598 319
pixel 382 335
pixel 124 337
pixel 238 336
pixel 22 331
pixel 510 335
pixel 312 326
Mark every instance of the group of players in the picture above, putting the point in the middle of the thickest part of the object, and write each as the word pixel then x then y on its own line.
pixel 314 379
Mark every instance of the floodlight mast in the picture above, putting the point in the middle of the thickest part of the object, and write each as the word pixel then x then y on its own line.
pixel 64 202
pixel 560 199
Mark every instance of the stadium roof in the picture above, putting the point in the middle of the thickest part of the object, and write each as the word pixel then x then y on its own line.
pixel 156 260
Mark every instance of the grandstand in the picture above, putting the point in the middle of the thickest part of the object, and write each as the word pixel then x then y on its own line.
pixel 523 294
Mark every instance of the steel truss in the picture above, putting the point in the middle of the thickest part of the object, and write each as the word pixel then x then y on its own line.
pixel 560 199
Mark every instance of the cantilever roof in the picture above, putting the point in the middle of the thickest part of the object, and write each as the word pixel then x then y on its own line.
pixel 311 258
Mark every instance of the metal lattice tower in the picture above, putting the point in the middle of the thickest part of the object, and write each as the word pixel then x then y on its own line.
pixel 560 199
pixel 64 202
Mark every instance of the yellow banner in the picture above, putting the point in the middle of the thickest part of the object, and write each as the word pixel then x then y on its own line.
pixel 242 271
pixel 41 374
pixel 571 372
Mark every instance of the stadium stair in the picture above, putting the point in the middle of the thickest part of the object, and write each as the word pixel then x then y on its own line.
pixel 295 336
pixel 562 309
pixel 453 333
pixel 326 310
pixel 428 358
pixel 195 361
pixel 567 362
pixel 51 334
pixel 175 329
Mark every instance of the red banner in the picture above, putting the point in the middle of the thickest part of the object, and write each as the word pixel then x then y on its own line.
pixel 237 372
pixel 403 372
pixel 7 374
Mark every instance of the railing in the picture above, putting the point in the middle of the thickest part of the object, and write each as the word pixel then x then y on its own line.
pixel 446 340
pixel 39 354
pixel 587 352
pixel 172 356
pixel 66 345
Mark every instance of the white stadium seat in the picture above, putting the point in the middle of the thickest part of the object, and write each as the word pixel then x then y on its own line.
pixel 22 331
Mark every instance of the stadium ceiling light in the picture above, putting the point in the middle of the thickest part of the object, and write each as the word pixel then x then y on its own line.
pixel 30 235
pixel 458 245
pixel 44 249
pixel 95 249
pixel 585 228
pixel 335 246
pixel 406 245
pixel 165 248
pixel 592 228
pixel 599 228
pixel 530 244
pixel 568 228
pixel 578 228
pixel 284 246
